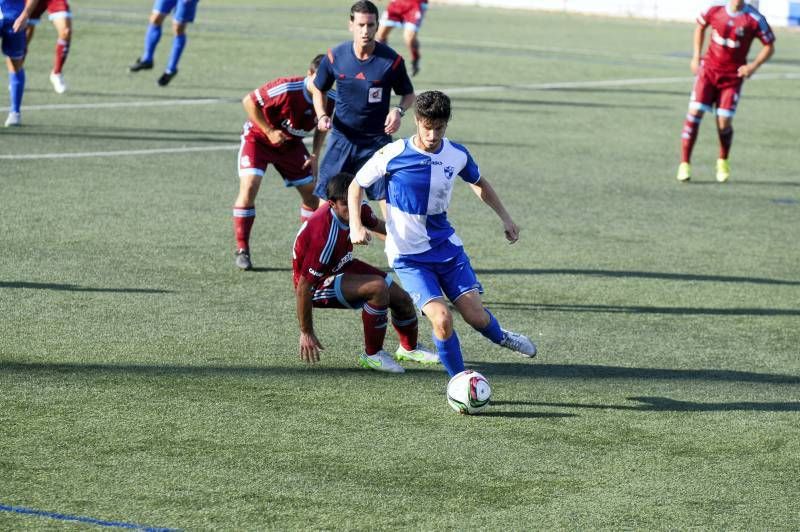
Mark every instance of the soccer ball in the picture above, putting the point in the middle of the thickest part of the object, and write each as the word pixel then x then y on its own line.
pixel 468 392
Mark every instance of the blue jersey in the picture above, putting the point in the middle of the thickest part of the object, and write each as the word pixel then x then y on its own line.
pixel 363 87
pixel 11 9
pixel 419 186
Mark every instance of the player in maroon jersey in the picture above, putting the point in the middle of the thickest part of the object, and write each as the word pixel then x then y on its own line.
pixel 327 276
pixel 721 73
pixel 280 113
pixel 406 14
pixel 61 17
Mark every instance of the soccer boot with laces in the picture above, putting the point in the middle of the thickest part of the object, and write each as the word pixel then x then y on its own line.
pixel 140 65
pixel 419 354
pixel 57 80
pixel 13 119
pixel 519 343
pixel 243 261
pixel 380 361
pixel 684 172
pixel 723 170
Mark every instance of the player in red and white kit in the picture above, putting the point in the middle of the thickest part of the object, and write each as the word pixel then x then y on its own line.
pixel 61 17
pixel 406 14
pixel 721 74
pixel 327 276
pixel 281 114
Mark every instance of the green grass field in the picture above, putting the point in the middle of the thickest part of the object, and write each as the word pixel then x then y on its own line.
pixel 145 380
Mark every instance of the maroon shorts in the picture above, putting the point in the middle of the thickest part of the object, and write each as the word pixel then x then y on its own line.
pixel 288 159
pixel 714 88
pixel 52 6
pixel 404 13
pixel 328 293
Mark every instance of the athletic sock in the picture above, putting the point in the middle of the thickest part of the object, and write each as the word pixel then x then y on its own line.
pixel 492 331
pixel 62 50
pixel 243 218
pixel 689 135
pixel 374 319
pixel 725 142
pixel 306 212
pixel 407 332
pixel 178 44
pixel 151 38
pixel 450 354
pixel 16 88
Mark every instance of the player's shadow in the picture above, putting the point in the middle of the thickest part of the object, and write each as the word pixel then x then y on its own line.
pixel 600 372
pixel 145 134
pixel 746 183
pixel 627 274
pixel 493 412
pixel 490 102
pixel 78 288
pixel 633 309
pixel 665 404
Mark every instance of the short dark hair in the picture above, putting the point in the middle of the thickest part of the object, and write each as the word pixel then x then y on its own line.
pixel 364 6
pixel 314 66
pixel 338 185
pixel 432 105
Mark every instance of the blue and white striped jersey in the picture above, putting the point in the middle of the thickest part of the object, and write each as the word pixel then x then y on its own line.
pixel 419 186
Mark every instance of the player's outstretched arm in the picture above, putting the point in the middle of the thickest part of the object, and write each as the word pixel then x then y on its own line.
pixel 745 71
pixel 310 346
pixel 358 233
pixel 484 190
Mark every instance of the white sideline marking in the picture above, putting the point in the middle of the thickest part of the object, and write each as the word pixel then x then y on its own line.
pixel 213 101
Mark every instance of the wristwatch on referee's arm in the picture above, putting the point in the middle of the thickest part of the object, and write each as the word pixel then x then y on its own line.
pixel 400 110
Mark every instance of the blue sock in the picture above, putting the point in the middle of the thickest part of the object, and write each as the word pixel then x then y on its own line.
pixel 492 331
pixel 16 87
pixel 450 354
pixel 178 43
pixel 151 38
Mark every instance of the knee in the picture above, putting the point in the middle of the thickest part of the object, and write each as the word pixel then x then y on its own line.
pixel 377 291
pixel 179 28
pixel 401 303
pixel 65 33
pixel 442 322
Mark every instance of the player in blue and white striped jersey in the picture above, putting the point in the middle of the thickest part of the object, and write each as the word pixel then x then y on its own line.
pixel 422 246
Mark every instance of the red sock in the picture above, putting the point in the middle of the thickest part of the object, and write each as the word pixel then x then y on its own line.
pixel 725 141
pixel 407 331
pixel 243 218
pixel 62 49
pixel 374 319
pixel 689 136
pixel 306 212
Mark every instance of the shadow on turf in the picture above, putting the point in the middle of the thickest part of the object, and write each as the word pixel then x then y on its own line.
pixel 664 404
pixel 545 103
pixel 634 274
pixel 624 309
pixel 78 288
pixel 745 182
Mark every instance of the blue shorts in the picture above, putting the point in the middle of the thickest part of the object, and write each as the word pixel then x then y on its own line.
pixel 184 9
pixel 425 281
pixel 344 156
pixel 13 43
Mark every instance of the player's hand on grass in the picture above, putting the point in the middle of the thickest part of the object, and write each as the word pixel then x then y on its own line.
pixel 309 348
pixel 512 231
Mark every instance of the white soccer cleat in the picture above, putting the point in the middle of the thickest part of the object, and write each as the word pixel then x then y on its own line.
pixel 519 343
pixel 380 361
pixel 13 120
pixel 58 82
pixel 419 355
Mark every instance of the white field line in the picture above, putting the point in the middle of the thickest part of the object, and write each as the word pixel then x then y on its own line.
pixel 453 90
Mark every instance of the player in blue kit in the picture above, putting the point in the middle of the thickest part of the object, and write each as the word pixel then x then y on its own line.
pixel 184 14
pixel 14 16
pixel 422 246
pixel 365 72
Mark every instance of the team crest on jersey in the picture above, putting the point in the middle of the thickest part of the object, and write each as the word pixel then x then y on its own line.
pixel 244 162
pixel 448 171
pixel 375 94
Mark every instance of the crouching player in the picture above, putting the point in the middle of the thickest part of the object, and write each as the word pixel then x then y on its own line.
pixel 421 245
pixel 327 276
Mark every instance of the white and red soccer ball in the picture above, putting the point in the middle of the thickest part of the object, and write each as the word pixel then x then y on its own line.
pixel 468 392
